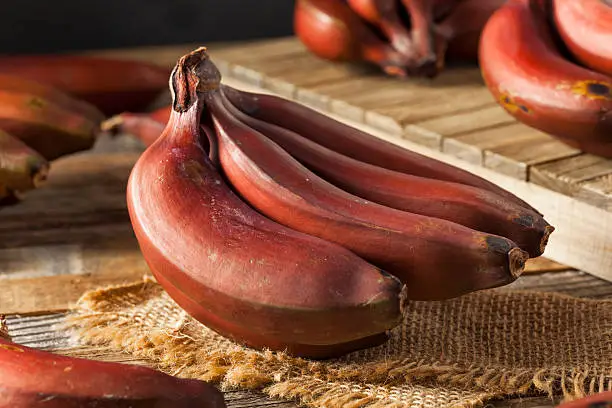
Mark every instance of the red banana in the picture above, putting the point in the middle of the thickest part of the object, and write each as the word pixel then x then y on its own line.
pixel 539 87
pixel 469 206
pixel 437 259
pixel 141 125
pixel 600 400
pixel 15 83
pixel 331 30
pixel 585 27
pixel 45 126
pixel 352 142
pixel 241 274
pixel 21 168
pixel 33 378
pixel 112 85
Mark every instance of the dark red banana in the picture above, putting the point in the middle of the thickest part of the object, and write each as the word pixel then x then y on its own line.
pixel 437 259
pixel 352 142
pixel 469 206
pixel 33 378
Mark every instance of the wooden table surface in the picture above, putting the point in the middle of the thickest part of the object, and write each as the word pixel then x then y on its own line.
pixel 74 234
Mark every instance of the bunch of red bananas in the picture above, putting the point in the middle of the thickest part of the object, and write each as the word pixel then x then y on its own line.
pixel 51 106
pixel 404 38
pixel 34 378
pixel 281 228
pixel 549 64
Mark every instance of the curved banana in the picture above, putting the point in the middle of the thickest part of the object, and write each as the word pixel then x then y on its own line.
pixel 533 82
pixel 241 274
pixel 36 378
pixel 21 168
pixel 437 259
pixel 585 27
pixel 352 142
pixel 113 85
pixel 15 83
pixel 45 126
pixel 469 206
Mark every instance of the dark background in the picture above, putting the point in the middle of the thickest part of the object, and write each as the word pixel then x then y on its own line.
pixel 40 26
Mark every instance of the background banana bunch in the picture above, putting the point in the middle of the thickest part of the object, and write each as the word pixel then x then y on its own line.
pixel 548 63
pixel 52 105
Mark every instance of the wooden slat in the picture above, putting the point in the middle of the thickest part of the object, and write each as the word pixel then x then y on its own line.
pixel 246 63
pixel 585 177
pixel 509 149
pixel 58 293
pixel 514 160
pixel 431 132
pixel 428 106
pixel 356 81
pixel 543 265
pixel 599 192
pixel 405 94
pixel 314 72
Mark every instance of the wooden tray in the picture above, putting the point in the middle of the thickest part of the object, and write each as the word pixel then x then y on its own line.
pixel 453 118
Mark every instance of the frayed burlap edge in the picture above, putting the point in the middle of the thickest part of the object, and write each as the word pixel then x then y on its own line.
pixel 315 383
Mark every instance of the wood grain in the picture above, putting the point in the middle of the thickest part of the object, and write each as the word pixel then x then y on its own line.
pixel 431 132
pixel 585 177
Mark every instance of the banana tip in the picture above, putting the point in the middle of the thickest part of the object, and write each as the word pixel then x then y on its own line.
pixel 549 229
pixel 517 260
pixel 112 125
pixel 41 175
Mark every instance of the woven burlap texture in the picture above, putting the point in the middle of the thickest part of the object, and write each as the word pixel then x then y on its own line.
pixel 457 353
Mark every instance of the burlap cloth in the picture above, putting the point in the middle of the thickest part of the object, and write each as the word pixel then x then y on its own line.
pixel 457 353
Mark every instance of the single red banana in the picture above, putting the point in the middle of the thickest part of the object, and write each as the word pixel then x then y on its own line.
pixel 585 27
pixel 15 83
pixel 241 274
pixel 112 85
pixel 352 142
pixel 469 206
pixel 332 31
pixel 21 168
pixel 534 83
pixel 437 259
pixel 599 400
pixel 46 127
pixel 33 378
